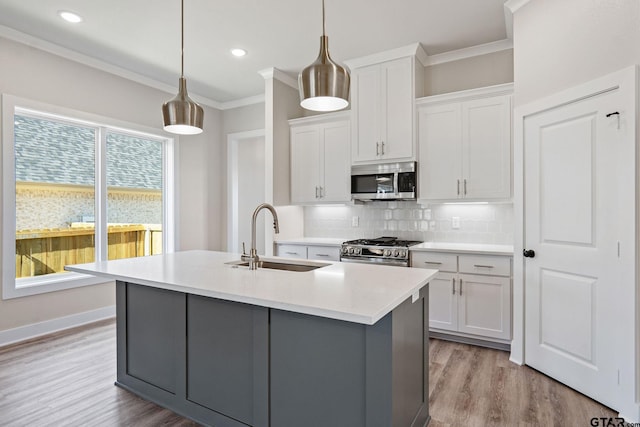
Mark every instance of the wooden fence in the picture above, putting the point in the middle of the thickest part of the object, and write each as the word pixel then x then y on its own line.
pixel 47 251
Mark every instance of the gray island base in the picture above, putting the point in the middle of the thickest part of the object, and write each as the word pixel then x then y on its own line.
pixel 225 363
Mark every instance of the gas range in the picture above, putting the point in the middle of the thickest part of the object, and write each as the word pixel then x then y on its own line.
pixel 382 250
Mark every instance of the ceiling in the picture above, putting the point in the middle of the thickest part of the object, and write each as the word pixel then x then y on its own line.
pixel 143 36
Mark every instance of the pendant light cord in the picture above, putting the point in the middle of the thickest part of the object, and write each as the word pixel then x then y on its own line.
pixel 323 29
pixel 182 39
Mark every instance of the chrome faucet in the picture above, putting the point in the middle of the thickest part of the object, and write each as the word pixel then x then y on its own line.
pixel 253 253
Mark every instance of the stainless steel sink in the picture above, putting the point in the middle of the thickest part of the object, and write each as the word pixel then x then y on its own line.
pixel 281 265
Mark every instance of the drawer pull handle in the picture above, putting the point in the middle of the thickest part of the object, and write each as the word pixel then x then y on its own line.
pixel 322 254
pixel 482 266
pixel 460 287
pixel 291 253
pixel 453 286
pixel 433 262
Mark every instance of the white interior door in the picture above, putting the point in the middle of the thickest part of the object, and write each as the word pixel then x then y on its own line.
pixel 572 285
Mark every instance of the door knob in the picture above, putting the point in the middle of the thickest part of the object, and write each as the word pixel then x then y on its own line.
pixel 529 253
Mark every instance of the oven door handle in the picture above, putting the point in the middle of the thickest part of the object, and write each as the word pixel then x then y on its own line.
pixel 397 263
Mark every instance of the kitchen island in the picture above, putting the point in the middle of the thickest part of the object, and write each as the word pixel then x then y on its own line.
pixel 340 345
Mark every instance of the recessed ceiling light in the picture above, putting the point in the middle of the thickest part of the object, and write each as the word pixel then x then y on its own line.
pixel 70 16
pixel 238 52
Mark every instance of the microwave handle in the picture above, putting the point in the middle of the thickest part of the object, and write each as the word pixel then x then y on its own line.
pixel 395 183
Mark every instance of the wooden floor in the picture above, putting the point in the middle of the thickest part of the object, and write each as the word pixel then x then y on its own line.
pixel 66 379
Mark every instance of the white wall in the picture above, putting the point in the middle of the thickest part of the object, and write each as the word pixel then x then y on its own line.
pixel 241 119
pixel 469 73
pixel 30 73
pixel 561 43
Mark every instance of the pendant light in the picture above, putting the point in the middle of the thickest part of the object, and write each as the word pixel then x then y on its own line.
pixel 324 85
pixel 182 115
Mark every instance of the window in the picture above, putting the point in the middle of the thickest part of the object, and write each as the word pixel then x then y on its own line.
pixel 79 188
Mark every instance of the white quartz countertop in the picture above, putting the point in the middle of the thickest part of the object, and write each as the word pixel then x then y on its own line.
pixel 318 241
pixel 359 293
pixel 475 248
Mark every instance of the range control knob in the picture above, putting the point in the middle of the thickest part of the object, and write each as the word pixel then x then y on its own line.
pixel 358 251
pixel 351 250
pixel 396 252
pixel 403 254
pixel 386 252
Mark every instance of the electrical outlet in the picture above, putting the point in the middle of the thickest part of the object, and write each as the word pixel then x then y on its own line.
pixel 355 221
pixel 427 214
pixel 455 222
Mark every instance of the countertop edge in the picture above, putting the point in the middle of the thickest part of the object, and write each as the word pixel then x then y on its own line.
pixel 313 311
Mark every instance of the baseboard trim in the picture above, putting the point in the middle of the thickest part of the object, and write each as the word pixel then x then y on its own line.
pixel 34 330
pixel 468 340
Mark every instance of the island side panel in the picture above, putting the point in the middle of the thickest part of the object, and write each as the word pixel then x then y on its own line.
pixel 227 349
pixel 128 309
pixel 154 330
pixel 317 371
pixel 379 374
pixel 137 314
pixel 410 355
pixel 331 372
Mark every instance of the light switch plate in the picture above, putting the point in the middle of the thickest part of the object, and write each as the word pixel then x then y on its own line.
pixel 355 221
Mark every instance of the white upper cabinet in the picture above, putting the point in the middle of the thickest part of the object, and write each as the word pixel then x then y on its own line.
pixel 320 162
pixel 383 98
pixel 465 145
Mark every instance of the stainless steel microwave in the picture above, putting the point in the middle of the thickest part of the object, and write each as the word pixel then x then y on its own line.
pixel 385 181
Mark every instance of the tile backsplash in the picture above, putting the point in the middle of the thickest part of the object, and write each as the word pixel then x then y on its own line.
pixel 478 223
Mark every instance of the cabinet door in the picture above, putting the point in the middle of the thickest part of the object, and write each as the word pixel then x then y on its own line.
pixel 484 306
pixel 366 117
pixel 443 302
pixel 335 163
pixel 324 253
pixel 305 168
pixel 486 137
pixel 440 165
pixel 398 97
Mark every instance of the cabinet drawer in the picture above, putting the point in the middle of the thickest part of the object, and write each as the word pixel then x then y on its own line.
pixel 292 251
pixel 435 260
pixel 485 264
pixel 326 253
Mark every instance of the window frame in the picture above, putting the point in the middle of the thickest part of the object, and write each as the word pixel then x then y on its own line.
pixel 12 105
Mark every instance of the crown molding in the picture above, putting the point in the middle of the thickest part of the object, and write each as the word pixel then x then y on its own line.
pixel 514 5
pixel 414 49
pixel 481 49
pixel 243 102
pixel 274 73
pixel 17 36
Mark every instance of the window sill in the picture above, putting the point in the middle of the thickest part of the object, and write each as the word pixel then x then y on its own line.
pixel 40 285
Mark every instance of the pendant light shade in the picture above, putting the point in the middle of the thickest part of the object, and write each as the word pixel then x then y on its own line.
pixel 324 85
pixel 182 115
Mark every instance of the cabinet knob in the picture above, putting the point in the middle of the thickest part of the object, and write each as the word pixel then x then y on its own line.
pixel 529 253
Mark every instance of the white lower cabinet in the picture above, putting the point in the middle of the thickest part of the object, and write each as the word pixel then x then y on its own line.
pixel 471 296
pixel 484 305
pixel 315 252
